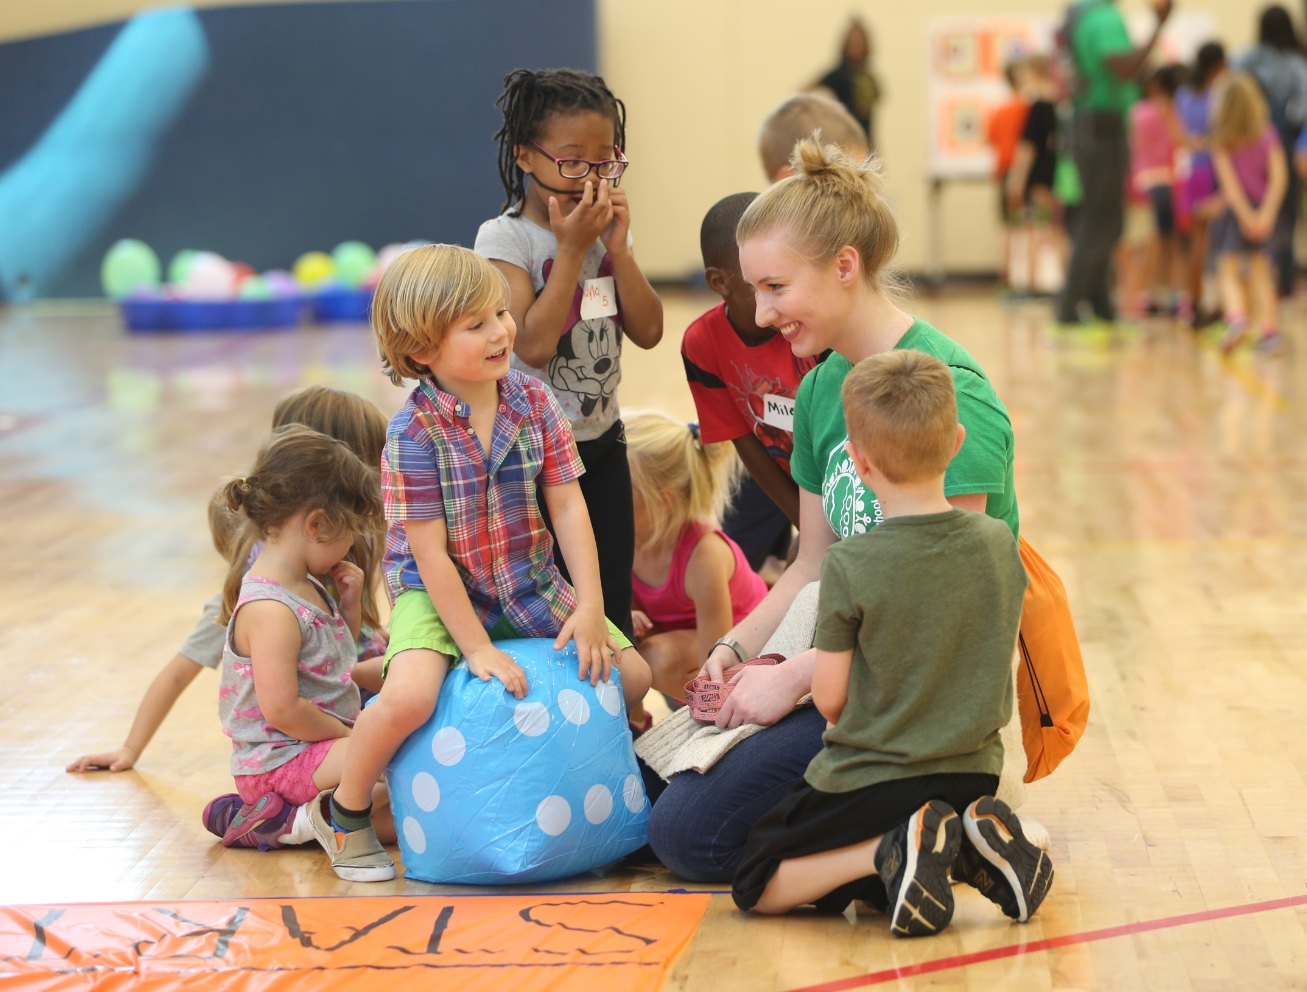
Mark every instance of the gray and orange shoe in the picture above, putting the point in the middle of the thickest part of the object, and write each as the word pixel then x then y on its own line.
pixel 356 856
pixel 998 859
pixel 914 860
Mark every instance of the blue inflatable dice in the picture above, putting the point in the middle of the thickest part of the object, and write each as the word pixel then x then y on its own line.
pixel 496 790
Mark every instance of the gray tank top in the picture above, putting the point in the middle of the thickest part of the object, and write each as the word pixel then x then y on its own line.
pixel 326 663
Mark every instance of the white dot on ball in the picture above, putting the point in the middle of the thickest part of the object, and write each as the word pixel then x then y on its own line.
pixel 610 697
pixel 574 706
pixel 417 840
pixel 426 791
pixel 633 793
pixel 553 815
pixel 532 719
pixel 448 746
pixel 598 804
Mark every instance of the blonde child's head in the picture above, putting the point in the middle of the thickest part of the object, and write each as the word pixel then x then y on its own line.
pixel 796 118
pixel 421 294
pixel 299 471
pixel 1239 113
pixel 901 410
pixel 677 477
pixel 830 202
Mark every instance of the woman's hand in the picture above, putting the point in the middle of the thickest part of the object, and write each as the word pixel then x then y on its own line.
pixel 763 694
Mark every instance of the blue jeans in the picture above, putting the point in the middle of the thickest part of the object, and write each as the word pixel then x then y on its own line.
pixel 699 824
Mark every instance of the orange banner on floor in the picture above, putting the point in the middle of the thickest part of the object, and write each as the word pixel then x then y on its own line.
pixel 523 943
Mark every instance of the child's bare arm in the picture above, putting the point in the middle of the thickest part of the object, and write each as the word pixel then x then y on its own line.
pixel 429 542
pixel 587 626
pixel 783 490
pixel 642 310
pixel 830 682
pixel 708 584
pixel 1017 174
pixel 272 635
pixel 158 701
pixel 1230 186
pixel 1276 186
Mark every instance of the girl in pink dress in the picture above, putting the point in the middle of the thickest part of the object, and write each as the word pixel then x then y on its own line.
pixel 691 582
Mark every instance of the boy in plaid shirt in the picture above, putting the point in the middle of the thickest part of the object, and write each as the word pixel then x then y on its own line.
pixel 468 558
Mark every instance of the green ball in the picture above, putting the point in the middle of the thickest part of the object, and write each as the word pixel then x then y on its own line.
pixel 255 288
pixel 354 261
pixel 129 265
pixel 181 265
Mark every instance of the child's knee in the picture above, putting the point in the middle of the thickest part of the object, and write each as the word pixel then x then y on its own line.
pixel 636 676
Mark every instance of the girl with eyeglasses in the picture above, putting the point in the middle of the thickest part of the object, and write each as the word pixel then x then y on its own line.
pixel 563 243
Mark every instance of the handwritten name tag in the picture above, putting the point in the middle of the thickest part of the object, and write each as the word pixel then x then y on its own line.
pixel 778 412
pixel 598 298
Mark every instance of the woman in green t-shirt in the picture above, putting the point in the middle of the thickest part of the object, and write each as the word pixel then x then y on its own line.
pixel 816 247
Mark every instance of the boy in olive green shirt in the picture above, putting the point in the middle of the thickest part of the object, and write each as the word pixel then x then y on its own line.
pixel 916 627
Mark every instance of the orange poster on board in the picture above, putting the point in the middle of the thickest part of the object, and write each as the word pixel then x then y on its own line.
pixel 524 943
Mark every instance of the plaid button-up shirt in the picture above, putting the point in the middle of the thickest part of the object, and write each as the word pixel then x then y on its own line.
pixel 434 468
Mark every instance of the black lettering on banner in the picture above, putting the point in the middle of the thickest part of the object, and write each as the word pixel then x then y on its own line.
pixel 224 934
pixel 526 914
pixel 38 934
pixel 437 933
pixel 292 923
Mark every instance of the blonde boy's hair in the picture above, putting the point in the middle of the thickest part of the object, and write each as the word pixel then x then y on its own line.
pixel 1239 112
pixel 421 294
pixel 828 203
pixel 796 118
pixel 679 478
pixel 900 408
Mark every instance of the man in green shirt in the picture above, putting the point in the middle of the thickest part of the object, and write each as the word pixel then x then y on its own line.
pixel 1108 66
pixel 914 676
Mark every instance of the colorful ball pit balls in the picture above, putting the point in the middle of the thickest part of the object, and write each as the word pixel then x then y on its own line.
pixel 255 288
pixel 180 265
pixel 353 262
pixel 282 283
pixel 313 269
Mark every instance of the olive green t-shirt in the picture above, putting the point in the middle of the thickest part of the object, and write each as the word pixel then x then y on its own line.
pixel 930 606
pixel 820 464
pixel 1100 33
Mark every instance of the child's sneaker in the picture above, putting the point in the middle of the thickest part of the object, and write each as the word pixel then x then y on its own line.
pixel 219 813
pixel 914 861
pixel 356 856
pixel 262 823
pixel 1271 340
pixel 999 860
pixel 1236 330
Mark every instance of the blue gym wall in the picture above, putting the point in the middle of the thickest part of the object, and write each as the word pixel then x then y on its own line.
pixel 266 131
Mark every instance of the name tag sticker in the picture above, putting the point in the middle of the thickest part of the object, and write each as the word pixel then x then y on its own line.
pixel 598 298
pixel 778 412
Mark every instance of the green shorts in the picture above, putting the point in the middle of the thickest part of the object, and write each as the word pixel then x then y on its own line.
pixel 415 624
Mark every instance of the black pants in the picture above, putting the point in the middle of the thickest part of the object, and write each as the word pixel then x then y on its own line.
pixel 606 486
pixel 1102 157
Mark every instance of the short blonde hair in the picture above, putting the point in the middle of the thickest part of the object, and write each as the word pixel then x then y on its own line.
pixel 422 293
pixel 799 116
pixel 829 202
pixel 665 454
pixel 1239 112
pixel 900 408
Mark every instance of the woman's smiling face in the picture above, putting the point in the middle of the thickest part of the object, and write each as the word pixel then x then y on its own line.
pixel 801 300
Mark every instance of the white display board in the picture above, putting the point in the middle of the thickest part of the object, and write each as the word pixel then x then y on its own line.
pixel 964 75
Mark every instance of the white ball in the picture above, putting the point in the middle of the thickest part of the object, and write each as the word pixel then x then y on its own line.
pixel 210 277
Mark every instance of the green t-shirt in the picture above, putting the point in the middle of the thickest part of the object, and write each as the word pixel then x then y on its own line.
pixel 930 606
pixel 820 464
pixel 1100 32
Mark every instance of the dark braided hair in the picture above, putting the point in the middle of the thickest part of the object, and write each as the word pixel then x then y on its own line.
pixel 528 98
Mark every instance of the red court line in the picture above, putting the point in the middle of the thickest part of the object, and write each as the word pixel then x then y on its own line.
pixel 1012 950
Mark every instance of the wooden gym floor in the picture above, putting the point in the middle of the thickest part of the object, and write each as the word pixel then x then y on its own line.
pixel 1168 485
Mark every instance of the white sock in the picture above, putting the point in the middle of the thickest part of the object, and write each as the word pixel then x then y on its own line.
pixel 301 828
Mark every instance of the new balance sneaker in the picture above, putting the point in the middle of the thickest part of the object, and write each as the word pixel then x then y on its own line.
pixel 914 861
pixel 998 859
pixel 356 856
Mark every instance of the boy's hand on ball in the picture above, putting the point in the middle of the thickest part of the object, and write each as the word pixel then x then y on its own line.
pixel 594 644
pixel 489 662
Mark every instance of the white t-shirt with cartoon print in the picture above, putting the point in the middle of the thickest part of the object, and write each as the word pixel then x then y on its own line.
pixel 586 368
